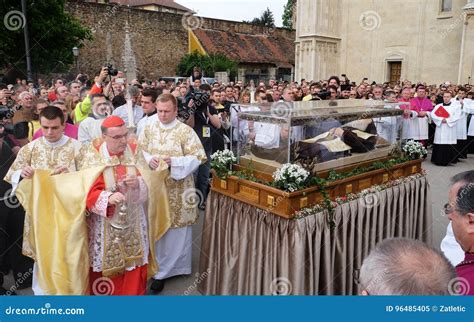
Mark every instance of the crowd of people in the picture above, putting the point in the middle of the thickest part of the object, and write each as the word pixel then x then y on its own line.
pixel 173 127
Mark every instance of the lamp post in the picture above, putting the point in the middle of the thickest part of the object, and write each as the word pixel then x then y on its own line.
pixel 27 42
pixel 75 52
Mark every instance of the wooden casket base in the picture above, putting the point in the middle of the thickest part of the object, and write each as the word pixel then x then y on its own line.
pixel 285 204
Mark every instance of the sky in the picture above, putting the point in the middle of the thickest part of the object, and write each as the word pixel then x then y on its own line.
pixel 236 10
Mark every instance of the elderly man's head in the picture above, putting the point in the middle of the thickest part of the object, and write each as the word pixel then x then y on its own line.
pixel 402 266
pixel 26 99
pixel 100 106
pixel 115 134
pixel 460 209
pixel 378 92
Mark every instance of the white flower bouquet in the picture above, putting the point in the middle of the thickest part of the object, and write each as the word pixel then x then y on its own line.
pixel 414 150
pixel 221 162
pixel 290 177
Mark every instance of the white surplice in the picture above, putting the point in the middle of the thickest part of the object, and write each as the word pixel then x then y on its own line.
pixel 446 133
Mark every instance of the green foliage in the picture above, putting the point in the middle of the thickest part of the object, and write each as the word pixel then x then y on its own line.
pixel 266 19
pixel 288 15
pixel 334 176
pixel 52 32
pixel 208 63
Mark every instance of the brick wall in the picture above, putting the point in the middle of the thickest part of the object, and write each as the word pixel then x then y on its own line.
pixel 158 39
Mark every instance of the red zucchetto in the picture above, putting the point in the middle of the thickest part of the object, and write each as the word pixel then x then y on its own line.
pixel 113 121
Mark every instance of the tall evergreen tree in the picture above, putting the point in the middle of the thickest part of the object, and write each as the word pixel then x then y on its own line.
pixel 288 14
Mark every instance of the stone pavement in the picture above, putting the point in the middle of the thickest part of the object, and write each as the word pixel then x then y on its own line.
pixel 439 183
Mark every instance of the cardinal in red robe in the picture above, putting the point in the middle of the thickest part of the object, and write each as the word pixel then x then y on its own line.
pixel 118 238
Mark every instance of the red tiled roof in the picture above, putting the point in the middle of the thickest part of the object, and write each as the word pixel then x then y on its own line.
pixel 162 3
pixel 247 48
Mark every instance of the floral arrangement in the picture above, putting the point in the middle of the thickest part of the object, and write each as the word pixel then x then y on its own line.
pixel 414 150
pixel 221 162
pixel 291 177
pixel 309 211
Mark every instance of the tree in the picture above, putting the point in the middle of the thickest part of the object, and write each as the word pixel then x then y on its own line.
pixel 52 33
pixel 208 63
pixel 266 19
pixel 288 14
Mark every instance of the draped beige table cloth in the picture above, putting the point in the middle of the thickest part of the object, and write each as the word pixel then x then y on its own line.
pixel 249 251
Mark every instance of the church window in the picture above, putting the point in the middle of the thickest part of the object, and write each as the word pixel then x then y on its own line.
pixel 446 5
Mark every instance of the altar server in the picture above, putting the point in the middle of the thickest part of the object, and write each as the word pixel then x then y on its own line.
pixel 445 116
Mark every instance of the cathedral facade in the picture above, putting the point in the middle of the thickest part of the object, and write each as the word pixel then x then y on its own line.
pixel 419 40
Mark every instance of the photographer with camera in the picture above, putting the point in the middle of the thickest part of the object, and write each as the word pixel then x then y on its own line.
pixel 204 119
pixel 84 108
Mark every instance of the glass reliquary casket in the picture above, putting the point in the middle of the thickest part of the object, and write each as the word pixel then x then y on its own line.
pixel 342 137
pixel 320 135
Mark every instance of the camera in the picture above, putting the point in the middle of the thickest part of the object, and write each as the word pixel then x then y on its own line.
pixel 112 71
pixel 5 112
pixel 200 99
pixel 19 130
pixel 321 95
pixel 83 78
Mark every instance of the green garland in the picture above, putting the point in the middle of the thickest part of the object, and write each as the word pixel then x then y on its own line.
pixel 248 174
pixel 334 176
pixel 322 185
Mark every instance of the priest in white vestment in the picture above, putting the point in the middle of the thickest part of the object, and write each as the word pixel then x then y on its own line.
pixel 53 151
pixel 179 146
